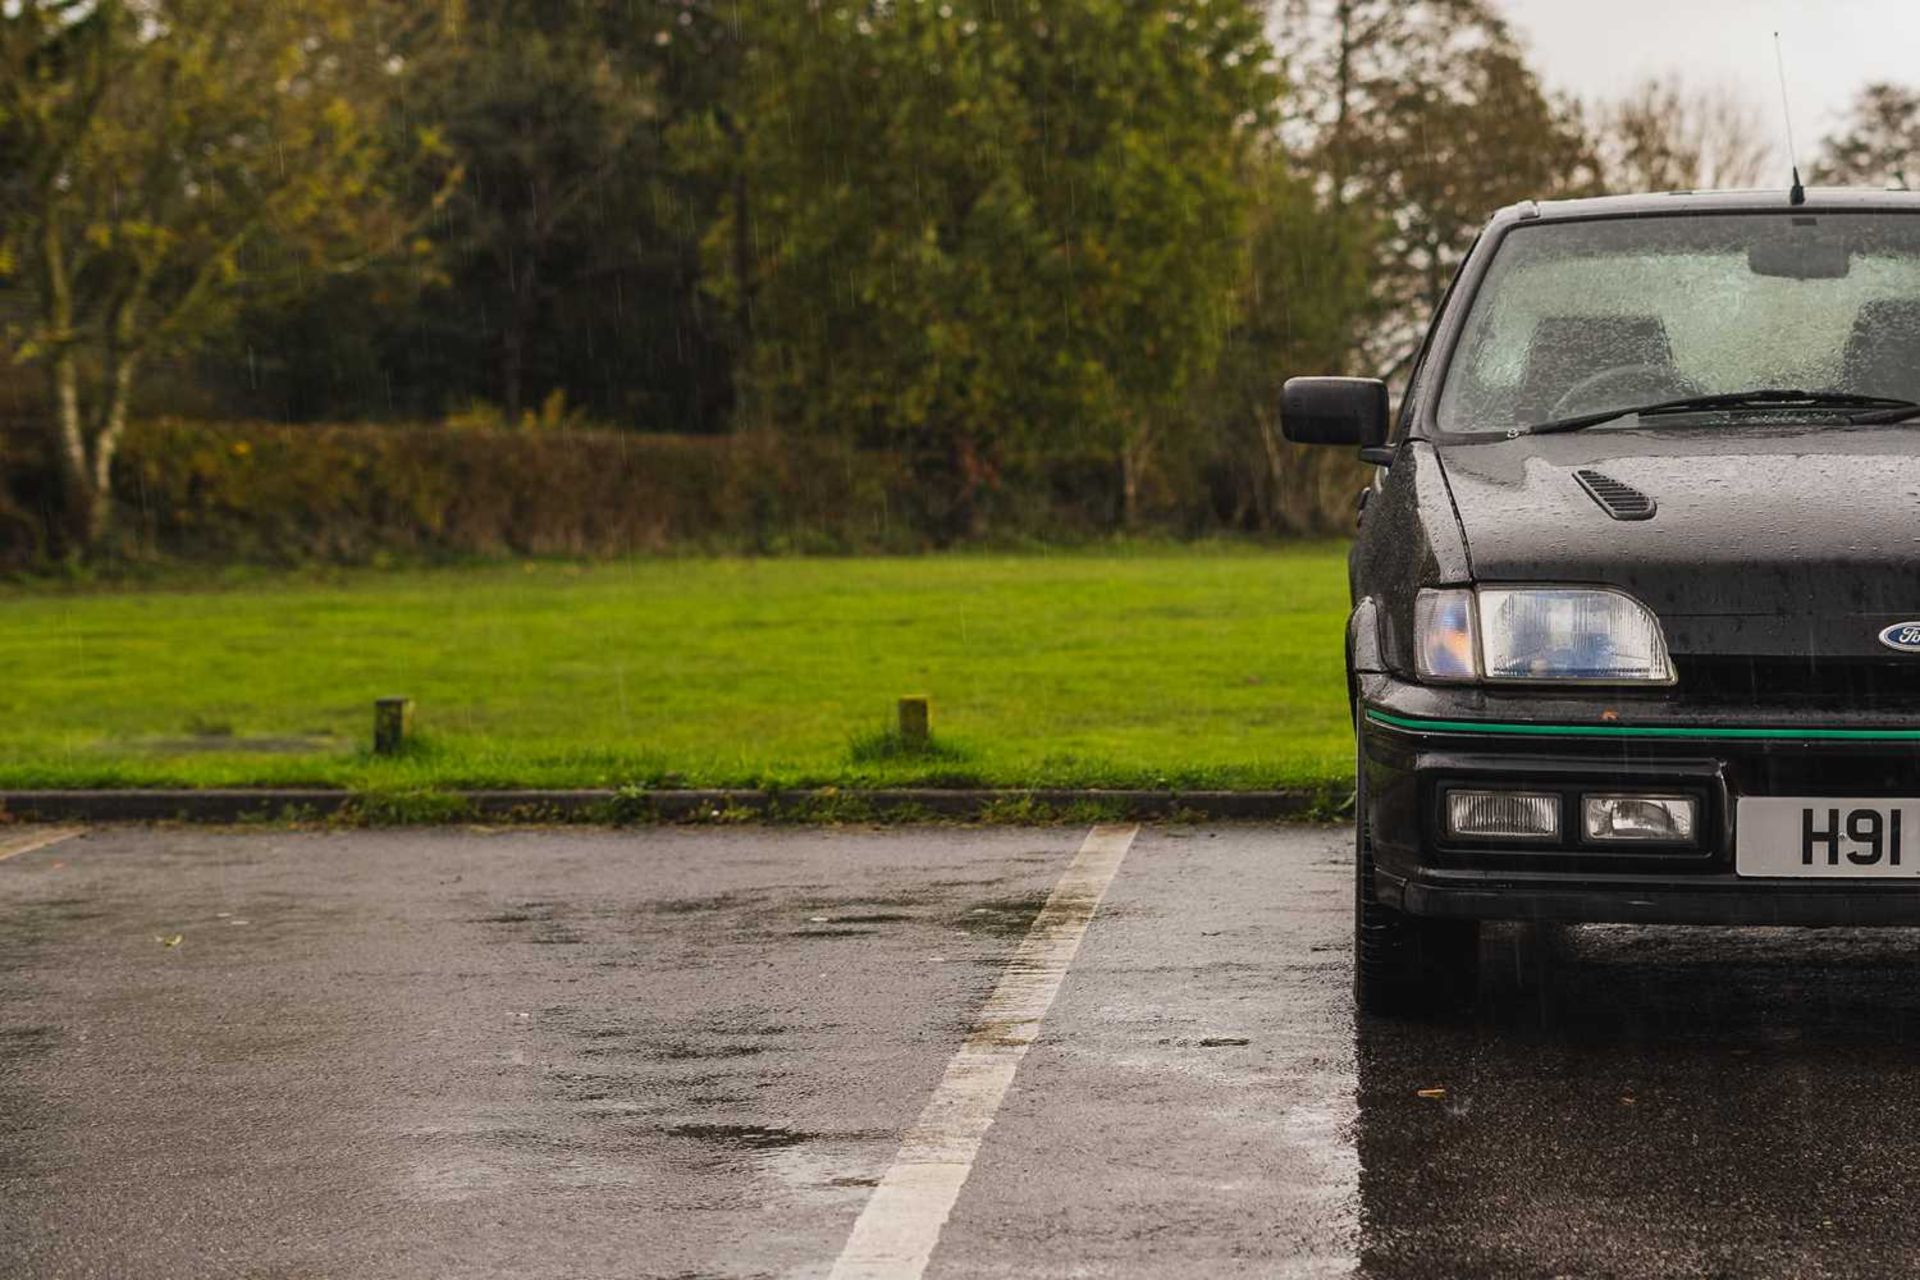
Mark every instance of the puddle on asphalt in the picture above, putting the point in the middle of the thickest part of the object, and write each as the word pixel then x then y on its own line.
pixel 899 898
pixel 816 917
pixel 69 910
pixel 1001 917
pixel 693 906
pixel 688 1052
pixel 743 1137
pixel 854 917
pixel 20 1043
pixel 831 1168
pixel 742 1033
pixel 717 1100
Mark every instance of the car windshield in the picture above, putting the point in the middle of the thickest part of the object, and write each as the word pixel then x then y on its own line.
pixel 1581 318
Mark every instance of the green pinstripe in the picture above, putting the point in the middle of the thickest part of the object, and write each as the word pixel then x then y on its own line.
pixel 1420 725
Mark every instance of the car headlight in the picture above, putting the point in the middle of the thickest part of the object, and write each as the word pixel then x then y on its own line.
pixel 1538 634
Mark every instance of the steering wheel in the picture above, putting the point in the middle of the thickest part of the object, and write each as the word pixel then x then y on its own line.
pixel 1624 385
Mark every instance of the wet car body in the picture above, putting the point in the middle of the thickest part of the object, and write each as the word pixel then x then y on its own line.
pixel 1775 549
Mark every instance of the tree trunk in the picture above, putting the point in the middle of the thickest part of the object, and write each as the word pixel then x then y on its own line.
pixel 512 367
pixel 85 459
pixel 742 246
pixel 513 346
pixel 1276 518
pixel 1343 95
pixel 83 518
pixel 963 520
pixel 1136 454
pixel 742 233
pixel 118 390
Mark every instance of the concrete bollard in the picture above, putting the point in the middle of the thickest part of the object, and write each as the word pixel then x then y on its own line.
pixel 392 725
pixel 916 720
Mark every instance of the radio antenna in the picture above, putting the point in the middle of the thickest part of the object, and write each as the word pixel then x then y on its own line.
pixel 1797 194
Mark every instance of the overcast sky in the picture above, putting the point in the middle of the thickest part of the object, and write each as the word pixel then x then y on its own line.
pixel 1598 48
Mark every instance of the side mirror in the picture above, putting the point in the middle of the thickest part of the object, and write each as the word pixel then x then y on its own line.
pixel 1349 411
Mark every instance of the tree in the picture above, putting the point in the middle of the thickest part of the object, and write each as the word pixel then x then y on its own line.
pixel 989 230
pixel 567 268
pixel 151 150
pixel 1663 136
pixel 1303 296
pixel 1878 144
pixel 552 106
pixel 1426 112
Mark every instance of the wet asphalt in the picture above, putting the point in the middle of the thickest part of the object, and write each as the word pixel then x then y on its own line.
pixel 682 1053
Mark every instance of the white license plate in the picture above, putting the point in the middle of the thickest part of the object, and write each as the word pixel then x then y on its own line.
pixel 1825 837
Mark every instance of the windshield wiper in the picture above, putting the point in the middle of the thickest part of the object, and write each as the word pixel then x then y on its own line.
pixel 1892 409
pixel 1902 411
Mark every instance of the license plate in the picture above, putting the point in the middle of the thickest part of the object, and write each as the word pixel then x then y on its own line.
pixel 1825 837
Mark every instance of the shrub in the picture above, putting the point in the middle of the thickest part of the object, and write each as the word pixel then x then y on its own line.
pixel 352 493
pixel 272 493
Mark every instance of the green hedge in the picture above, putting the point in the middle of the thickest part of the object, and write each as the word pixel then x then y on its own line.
pixel 271 493
pixel 351 493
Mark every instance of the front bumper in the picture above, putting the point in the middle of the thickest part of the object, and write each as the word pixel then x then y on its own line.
pixel 1420 740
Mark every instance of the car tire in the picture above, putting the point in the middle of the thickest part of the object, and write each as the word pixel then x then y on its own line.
pixel 1402 964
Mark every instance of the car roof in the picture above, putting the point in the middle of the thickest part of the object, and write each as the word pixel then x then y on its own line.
pixel 1818 199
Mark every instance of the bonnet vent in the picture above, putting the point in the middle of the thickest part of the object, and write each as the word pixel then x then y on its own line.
pixel 1618 499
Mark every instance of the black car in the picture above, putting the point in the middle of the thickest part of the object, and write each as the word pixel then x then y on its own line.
pixel 1636 587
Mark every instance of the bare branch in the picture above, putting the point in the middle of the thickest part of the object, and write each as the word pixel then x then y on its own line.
pixel 1664 136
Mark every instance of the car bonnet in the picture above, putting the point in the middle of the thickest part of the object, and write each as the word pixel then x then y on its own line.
pixel 1795 540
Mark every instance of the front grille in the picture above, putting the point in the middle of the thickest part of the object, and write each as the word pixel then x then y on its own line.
pixel 1841 684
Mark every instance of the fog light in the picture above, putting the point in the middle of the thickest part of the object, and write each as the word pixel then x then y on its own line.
pixel 1662 818
pixel 1503 815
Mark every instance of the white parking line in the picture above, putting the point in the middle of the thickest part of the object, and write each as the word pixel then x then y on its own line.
pixel 895 1234
pixel 39 838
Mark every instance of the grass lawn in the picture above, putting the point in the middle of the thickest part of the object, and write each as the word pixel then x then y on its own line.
pixel 1165 667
